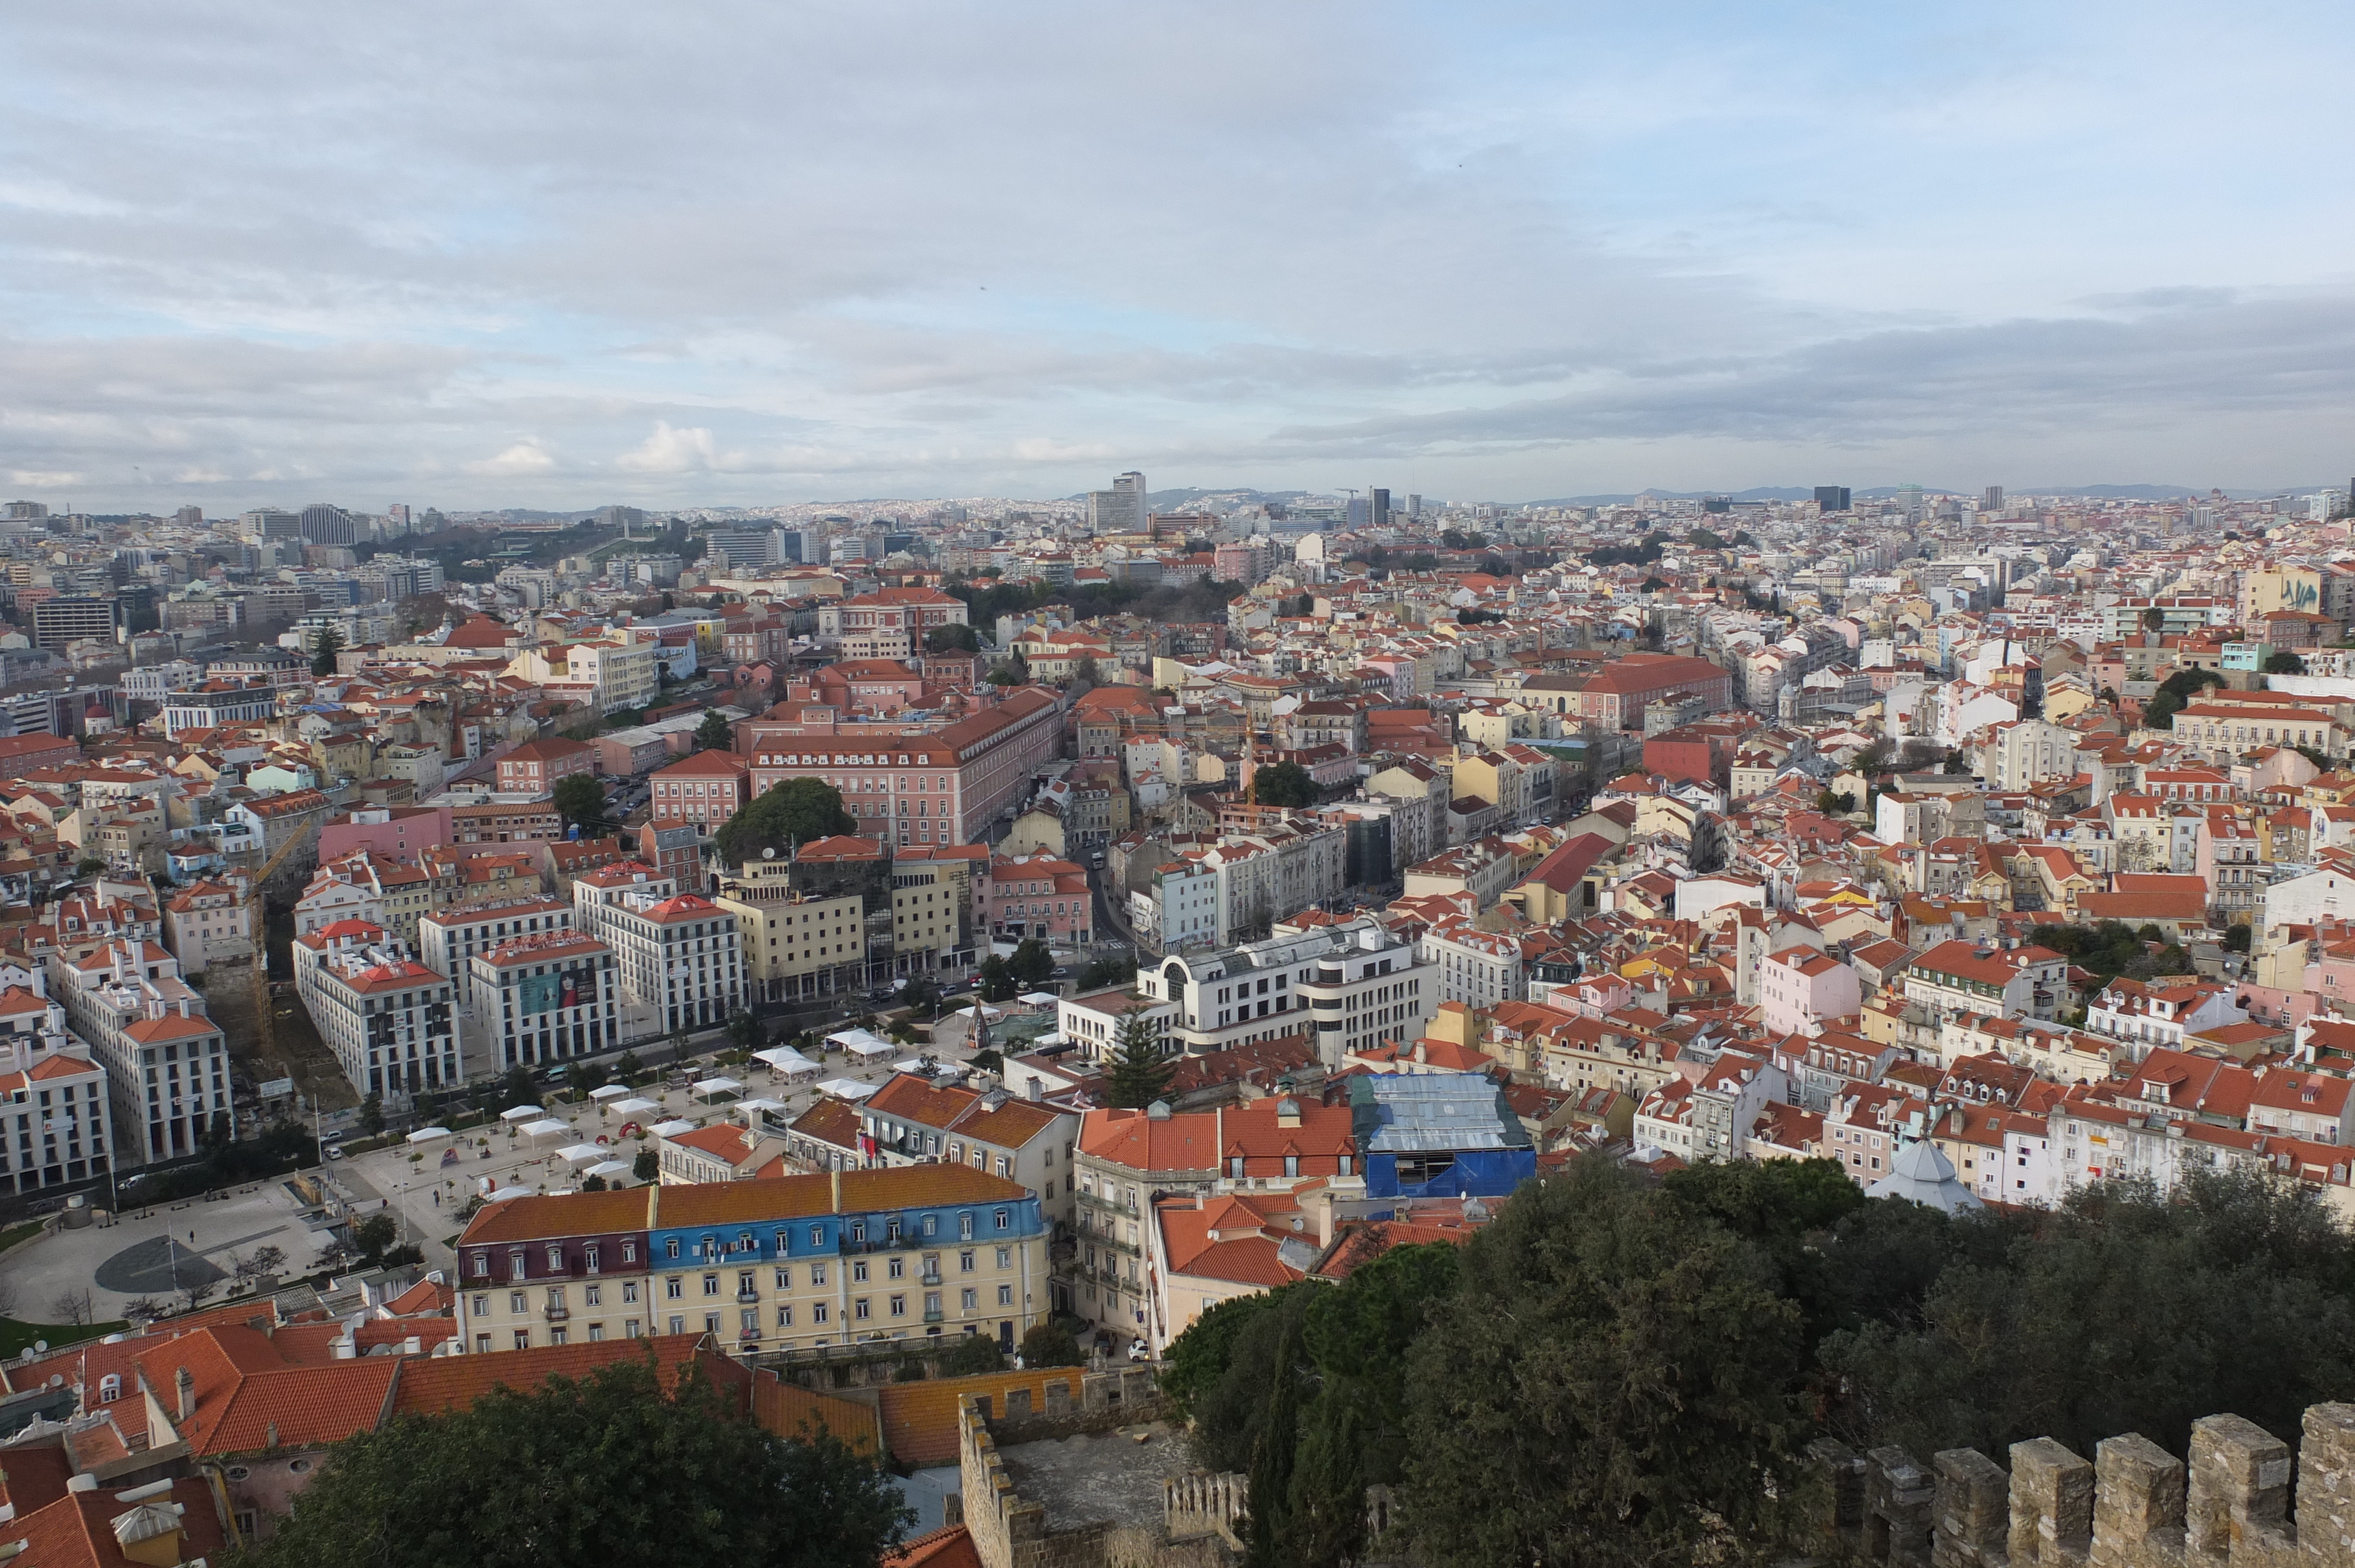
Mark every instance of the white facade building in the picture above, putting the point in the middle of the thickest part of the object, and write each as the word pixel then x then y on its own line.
pixel 389 1019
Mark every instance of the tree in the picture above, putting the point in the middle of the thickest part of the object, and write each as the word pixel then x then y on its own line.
pixel 580 799
pixel 1617 1386
pixel 1266 1532
pixel 2154 619
pixel 714 734
pixel 372 1114
pixel 955 638
pixel 1705 539
pixel 592 1184
pixel 72 1307
pixel 89 865
pixel 787 814
pixel 606 1468
pixel 998 981
pixel 646 1167
pixel 1050 1344
pixel 971 1355
pixel 259 1264
pixel 2236 938
pixel 1114 969
pixel 1138 1072
pixel 743 1031
pixel 375 1236
pixel 1086 674
pixel 1032 964
pixel 324 645
pixel 1283 784
pixel 2284 663
pixel 626 1066
pixel 919 993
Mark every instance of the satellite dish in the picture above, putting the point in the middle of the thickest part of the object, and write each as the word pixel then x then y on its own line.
pixel 768 854
pixel 41 1347
pixel 57 1380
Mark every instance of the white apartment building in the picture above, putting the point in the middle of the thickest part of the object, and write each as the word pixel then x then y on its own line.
pixel 54 1124
pixel 681 955
pixel 1477 968
pixel 1180 909
pixel 448 939
pixel 389 1019
pixel 553 996
pixel 596 894
pixel 167 1062
pixel 1353 987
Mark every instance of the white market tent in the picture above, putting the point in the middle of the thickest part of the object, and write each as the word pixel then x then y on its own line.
pixel 574 1154
pixel 672 1127
pixel 520 1113
pixel 546 1128
pixel 503 1193
pixel 711 1087
pixel 861 1043
pixel 1038 998
pixel 774 1107
pixel 609 1091
pixel 786 1060
pixel 633 1106
pixel 846 1088
pixel 609 1169
pixel 428 1134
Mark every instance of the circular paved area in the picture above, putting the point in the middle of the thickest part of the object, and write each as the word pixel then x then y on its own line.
pixel 155 1266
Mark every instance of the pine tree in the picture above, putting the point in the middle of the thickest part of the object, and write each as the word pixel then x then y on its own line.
pixel 1268 1528
pixel 1139 1073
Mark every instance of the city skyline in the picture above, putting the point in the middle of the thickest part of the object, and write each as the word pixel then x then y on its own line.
pixel 721 258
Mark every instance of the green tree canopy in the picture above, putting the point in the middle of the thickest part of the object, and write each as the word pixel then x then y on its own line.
pixel 1138 1074
pixel 1032 964
pixel 604 1469
pixel 580 799
pixel 1618 1383
pixel 648 1166
pixel 1050 1344
pixel 1283 784
pixel 324 645
pixel 2284 663
pixel 998 981
pixel 714 734
pixel 790 812
pixel 954 637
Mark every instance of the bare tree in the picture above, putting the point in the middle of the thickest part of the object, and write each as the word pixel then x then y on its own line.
pixel 145 1309
pixel 262 1261
pixel 71 1307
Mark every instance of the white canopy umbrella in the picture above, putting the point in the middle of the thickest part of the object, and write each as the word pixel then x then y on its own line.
pixel 672 1127
pixel 546 1128
pixel 574 1154
pixel 846 1088
pixel 609 1169
pixel 633 1106
pixel 859 1043
pixel 520 1113
pixel 711 1087
pixel 609 1091
pixel 786 1060
pixel 428 1134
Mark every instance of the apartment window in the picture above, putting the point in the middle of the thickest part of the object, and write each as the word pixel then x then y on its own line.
pixel 483 1343
pixel 897 1268
pixel 629 1292
pixel 899 1306
pixel 817 1274
pixel 1005 1295
pixel 482 1306
pixel 858 1271
pixel 523 1338
pixel 515 1302
pixel 674 1287
pixel 784 1316
pixel 595 1294
pixel 1235 1168
pixel 555 1260
pixel 514 1265
pixel 968 1299
pixel 819 1312
pixel 1006 1257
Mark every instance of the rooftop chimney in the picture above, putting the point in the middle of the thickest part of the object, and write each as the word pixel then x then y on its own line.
pixel 185 1381
pixel 837 1174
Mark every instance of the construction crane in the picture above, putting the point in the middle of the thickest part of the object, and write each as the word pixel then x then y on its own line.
pixel 265 1023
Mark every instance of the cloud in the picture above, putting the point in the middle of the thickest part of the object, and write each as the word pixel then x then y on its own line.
pixel 522 458
pixel 1509 250
pixel 42 479
pixel 670 450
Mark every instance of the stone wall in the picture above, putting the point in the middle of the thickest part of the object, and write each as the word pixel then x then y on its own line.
pixel 2134 1505
pixel 1009 1531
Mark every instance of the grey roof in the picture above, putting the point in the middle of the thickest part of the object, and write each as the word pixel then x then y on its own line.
pixel 1414 1113
pixel 1924 1176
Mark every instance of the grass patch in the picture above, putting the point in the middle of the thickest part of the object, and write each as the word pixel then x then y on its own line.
pixel 15 1233
pixel 16 1338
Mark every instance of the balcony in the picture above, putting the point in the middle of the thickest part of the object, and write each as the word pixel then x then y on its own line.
pixel 556 1314
pixel 933 1315
pixel 930 1279
pixel 747 1298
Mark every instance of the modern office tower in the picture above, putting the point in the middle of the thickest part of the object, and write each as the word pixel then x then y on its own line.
pixel 1831 498
pixel 58 622
pixel 1378 507
pixel 326 523
pixel 24 511
pixel 397 518
pixel 189 517
pixel 1993 500
pixel 1121 509
pixel 1413 505
pixel 269 522
pixel 620 517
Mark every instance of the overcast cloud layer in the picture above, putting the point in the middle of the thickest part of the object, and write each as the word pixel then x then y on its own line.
pixel 469 255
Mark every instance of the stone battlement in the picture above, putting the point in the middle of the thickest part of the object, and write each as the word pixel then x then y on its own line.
pixel 2134 1505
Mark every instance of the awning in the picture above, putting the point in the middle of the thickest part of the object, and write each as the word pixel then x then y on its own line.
pixel 609 1092
pixel 574 1154
pixel 428 1134
pixel 546 1128
pixel 846 1088
pixel 520 1113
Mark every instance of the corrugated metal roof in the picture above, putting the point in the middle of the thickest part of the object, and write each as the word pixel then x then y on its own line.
pixel 1429 1112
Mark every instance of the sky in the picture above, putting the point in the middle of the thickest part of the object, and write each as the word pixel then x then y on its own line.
pixel 699 254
